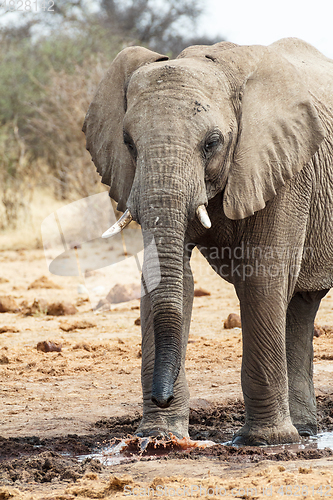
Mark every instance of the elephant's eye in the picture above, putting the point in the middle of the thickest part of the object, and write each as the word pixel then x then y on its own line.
pixel 130 144
pixel 211 143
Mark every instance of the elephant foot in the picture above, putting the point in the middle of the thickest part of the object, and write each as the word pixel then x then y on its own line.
pixel 161 427
pixel 263 436
pixel 157 433
pixel 306 430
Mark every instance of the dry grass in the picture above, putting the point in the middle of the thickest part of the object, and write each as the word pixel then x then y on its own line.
pixel 16 180
pixel 27 235
pixel 49 162
pixel 55 130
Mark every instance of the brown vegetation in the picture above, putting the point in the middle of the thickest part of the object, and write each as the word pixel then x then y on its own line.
pixel 47 83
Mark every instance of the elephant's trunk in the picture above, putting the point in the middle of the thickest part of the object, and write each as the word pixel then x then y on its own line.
pixel 161 201
pixel 163 276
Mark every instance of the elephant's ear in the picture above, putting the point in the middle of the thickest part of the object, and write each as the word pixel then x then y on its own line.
pixel 103 123
pixel 279 132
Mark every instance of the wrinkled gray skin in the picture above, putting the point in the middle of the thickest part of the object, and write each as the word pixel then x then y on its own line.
pixel 247 131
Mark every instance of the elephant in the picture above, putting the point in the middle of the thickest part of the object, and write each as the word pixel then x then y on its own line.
pixel 226 148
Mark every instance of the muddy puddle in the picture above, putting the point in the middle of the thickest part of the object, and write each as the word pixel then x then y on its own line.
pixel 319 442
pixel 323 440
pixel 36 459
pixel 133 448
pixel 211 430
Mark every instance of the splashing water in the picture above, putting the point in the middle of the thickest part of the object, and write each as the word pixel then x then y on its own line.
pixel 134 448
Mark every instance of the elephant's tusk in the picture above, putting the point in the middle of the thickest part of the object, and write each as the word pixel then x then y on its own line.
pixel 203 216
pixel 124 220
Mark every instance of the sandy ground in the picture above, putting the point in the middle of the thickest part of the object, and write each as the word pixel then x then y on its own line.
pixel 78 395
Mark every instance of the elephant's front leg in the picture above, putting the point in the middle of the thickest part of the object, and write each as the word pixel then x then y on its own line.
pixel 264 370
pixel 301 314
pixel 157 421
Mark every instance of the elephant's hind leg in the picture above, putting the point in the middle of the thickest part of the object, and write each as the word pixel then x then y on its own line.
pixel 301 314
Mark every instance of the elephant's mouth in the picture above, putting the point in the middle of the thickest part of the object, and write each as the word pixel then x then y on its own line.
pixel 126 218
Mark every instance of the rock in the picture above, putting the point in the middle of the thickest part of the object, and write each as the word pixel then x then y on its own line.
pixel 61 309
pixel 119 293
pixel 318 331
pixel 39 306
pixel 137 322
pixel 8 329
pixel 233 321
pixel 43 282
pixel 199 403
pixel 48 346
pixel 82 345
pixel 8 304
pixel 123 293
pixel 200 292
pixel 4 360
pixel 77 325
pixel 103 304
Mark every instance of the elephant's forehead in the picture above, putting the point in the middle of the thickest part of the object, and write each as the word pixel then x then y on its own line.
pixel 176 78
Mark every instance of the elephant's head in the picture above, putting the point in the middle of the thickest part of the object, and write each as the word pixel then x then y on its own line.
pixel 167 136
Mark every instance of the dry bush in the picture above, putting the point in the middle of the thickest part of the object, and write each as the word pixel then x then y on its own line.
pixel 16 181
pixel 55 129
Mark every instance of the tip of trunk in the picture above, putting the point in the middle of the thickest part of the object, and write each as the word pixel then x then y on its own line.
pixel 162 399
pixel 162 402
